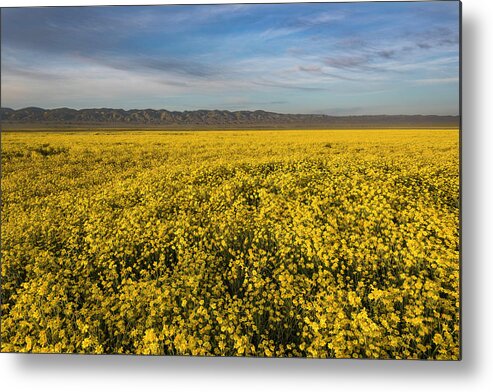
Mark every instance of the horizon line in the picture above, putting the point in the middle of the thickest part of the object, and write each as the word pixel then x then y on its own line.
pixel 232 111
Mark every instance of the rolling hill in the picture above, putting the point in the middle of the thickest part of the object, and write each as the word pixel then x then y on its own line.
pixel 105 117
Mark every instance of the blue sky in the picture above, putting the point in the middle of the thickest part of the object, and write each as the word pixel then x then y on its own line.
pixel 331 58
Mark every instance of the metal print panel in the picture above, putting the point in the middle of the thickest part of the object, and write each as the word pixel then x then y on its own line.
pixel 266 180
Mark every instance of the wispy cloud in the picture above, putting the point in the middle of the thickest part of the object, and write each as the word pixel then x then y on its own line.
pixel 437 81
pixel 28 73
pixel 167 65
pixel 347 62
pixel 277 32
pixel 319 70
pixel 440 37
pixel 287 85
pixel 323 18
pixel 287 57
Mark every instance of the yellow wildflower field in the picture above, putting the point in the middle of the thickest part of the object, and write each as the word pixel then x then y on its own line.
pixel 327 244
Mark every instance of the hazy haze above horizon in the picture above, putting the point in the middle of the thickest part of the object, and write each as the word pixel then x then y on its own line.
pixel 330 58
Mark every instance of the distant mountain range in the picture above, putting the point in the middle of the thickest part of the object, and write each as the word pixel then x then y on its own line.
pixel 211 119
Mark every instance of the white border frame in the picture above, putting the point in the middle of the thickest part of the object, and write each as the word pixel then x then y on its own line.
pixel 129 373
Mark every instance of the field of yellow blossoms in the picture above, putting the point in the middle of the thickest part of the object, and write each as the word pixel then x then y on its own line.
pixel 339 244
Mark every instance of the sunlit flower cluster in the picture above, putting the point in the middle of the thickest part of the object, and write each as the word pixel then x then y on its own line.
pixel 339 244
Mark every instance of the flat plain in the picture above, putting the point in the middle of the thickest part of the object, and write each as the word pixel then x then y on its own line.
pixel 341 244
